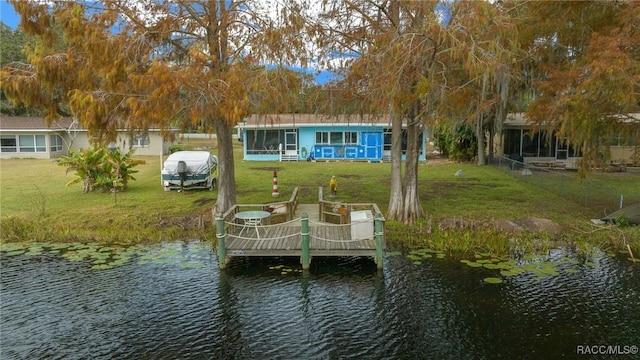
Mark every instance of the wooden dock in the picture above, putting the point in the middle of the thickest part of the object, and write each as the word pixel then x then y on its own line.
pixel 286 240
pixel 305 236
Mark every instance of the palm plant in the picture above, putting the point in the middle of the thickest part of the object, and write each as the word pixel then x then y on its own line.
pixel 99 168
pixel 87 165
pixel 121 167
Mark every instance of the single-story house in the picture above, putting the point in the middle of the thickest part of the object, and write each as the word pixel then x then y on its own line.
pixel 520 141
pixel 293 137
pixel 30 137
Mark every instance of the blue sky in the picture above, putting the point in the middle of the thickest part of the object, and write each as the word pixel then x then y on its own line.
pixel 8 15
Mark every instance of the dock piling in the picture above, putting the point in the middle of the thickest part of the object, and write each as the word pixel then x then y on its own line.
pixel 304 232
pixel 222 250
pixel 379 241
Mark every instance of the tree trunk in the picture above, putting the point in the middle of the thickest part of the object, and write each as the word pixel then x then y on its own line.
pixel 480 137
pixel 492 144
pixel 396 198
pixel 412 208
pixel 86 185
pixel 226 168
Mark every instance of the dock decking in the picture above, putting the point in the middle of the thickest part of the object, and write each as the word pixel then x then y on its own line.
pixel 290 238
pixel 286 240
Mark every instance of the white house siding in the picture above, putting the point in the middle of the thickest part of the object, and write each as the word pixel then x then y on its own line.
pixel 156 145
pixel 40 151
pixel 72 137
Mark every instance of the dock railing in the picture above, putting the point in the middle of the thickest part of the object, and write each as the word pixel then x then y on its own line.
pixel 356 230
pixel 337 212
pixel 281 211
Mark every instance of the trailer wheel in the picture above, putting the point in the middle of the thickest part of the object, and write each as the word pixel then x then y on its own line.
pixel 213 184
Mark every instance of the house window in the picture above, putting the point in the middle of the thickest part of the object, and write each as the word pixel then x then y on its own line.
pixel 140 140
pixel 351 137
pixel 322 137
pixel 56 143
pixel 336 137
pixel 621 140
pixel 8 143
pixel 32 143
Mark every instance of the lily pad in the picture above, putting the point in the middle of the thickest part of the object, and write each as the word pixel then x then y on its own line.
pixel 15 252
pixel 102 267
pixel 504 265
pixel 509 273
pixel 493 280
pixel 10 247
pixel 492 266
pixel 474 264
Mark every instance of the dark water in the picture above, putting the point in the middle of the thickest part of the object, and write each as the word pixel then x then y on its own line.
pixel 52 308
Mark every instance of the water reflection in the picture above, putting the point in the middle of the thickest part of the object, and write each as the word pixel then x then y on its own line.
pixel 341 308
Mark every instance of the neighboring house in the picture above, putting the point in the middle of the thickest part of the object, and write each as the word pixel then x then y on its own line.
pixel 30 137
pixel 520 141
pixel 319 137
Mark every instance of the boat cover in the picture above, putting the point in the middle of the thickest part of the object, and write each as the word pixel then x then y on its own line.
pixel 198 162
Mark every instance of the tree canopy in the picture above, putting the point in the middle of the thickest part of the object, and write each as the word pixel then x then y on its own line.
pixel 133 64
pixel 573 67
pixel 586 71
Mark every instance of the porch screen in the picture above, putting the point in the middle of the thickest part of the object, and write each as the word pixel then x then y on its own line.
pixel 264 141
pixel 528 143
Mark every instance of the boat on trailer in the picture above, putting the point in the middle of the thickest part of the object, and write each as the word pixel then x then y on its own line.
pixel 185 170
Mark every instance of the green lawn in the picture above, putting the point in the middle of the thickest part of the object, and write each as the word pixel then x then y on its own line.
pixel 34 191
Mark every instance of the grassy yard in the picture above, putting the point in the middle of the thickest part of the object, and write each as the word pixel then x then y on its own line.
pixel 36 204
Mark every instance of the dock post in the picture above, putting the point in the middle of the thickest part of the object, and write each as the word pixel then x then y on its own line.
pixel 222 250
pixel 304 232
pixel 379 240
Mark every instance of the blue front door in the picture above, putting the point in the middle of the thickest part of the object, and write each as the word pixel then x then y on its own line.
pixel 372 145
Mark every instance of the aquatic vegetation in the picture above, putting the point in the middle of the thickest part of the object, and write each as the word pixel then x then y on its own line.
pixel 102 257
pixel 285 270
pixel 493 280
pixel 420 254
pixel 535 265
pixel 471 263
